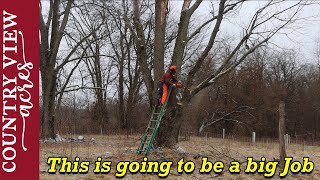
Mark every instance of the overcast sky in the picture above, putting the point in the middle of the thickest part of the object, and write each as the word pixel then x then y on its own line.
pixel 302 37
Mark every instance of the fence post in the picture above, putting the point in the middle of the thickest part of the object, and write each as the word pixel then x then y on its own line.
pixel 223 133
pixel 287 139
pixel 253 137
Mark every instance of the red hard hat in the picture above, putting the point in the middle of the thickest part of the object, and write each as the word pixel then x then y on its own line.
pixel 173 68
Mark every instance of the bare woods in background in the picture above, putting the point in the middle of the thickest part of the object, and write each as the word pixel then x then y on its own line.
pixel 101 61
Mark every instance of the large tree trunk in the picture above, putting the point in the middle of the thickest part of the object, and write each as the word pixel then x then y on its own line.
pixel 48 57
pixel 169 129
pixel 48 107
pixel 159 40
pixel 168 134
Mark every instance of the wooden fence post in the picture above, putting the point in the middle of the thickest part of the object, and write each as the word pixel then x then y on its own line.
pixel 282 146
pixel 287 139
pixel 253 137
pixel 223 133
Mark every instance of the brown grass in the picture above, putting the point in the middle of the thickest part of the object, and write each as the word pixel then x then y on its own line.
pixel 123 149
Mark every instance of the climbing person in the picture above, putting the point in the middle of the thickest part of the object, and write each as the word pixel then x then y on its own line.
pixel 165 82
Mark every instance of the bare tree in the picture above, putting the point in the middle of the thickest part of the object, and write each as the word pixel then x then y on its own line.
pixel 49 47
pixel 229 116
pixel 253 33
pixel 52 31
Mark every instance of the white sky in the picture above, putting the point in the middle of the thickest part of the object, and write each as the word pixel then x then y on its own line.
pixel 302 37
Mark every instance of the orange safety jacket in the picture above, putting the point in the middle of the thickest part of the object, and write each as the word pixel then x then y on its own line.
pixel 167 80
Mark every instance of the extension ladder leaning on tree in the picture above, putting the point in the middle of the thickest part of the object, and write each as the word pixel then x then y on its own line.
pixel 152 128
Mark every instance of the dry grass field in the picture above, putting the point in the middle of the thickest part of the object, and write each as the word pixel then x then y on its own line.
pixel 117 148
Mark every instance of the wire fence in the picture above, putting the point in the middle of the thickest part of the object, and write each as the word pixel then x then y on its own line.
pixel 186 135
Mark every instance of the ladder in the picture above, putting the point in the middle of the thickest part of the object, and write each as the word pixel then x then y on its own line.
pixel 153 125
